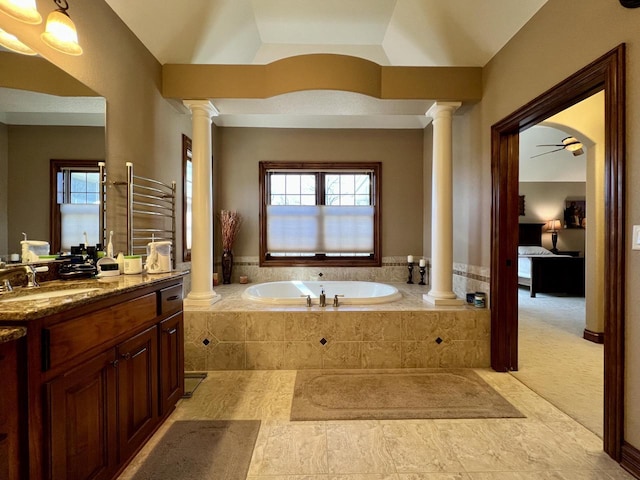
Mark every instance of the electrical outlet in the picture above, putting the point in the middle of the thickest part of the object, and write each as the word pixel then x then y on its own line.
pixel 635 242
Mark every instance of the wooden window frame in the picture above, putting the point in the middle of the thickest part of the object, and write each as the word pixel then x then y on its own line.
pixel 374 260
pixel 55 222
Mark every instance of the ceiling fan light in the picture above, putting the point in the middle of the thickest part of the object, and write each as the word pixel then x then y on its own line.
pixel 12 43
pixel 23 10
pixel 572 144
pixel 60 33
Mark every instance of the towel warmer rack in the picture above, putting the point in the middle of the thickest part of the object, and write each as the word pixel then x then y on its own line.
pixel 151 213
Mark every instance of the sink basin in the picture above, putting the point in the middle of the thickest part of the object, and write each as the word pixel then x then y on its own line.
pixel 47 295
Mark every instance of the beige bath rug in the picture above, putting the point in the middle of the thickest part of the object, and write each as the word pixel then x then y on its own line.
pixel 396 394
pixel 199 449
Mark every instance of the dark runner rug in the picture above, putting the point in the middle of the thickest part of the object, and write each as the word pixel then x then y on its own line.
pixel 396 394
pixel 199 449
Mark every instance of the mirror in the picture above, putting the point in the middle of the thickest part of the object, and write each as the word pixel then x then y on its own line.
pixel 45 114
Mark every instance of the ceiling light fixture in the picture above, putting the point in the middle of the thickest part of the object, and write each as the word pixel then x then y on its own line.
pixel 23 10
pixel 60 32
pixel 573 145
pixel 12 43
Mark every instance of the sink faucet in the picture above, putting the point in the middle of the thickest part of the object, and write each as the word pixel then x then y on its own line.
pixel 7 273
pixel 323 298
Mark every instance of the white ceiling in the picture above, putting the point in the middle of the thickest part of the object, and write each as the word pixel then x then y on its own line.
pixel 388 32
pixel 21 107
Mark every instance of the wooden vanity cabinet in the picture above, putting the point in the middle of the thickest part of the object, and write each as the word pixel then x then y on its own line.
pixel 109 377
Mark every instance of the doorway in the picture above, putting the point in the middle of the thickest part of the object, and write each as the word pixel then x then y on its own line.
pixel 605 74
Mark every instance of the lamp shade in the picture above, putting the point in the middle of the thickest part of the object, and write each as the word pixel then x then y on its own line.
pixel 23 10
pixel 12 43
pixel 60 34
pixel 553 225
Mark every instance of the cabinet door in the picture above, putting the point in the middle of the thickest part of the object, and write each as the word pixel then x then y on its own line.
pixel 11 409
pixel 83 440
pixel 137 389
pixel 171 362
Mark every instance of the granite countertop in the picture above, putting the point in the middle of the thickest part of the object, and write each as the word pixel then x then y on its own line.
pixel 8 334
pixel 28 309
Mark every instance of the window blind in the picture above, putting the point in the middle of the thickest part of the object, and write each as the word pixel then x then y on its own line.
pixel 320 229
pixel 76 218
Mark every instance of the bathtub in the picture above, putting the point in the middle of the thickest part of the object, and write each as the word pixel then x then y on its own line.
pixel 292 292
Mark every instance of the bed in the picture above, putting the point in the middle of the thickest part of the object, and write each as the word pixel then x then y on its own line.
pixel 543 271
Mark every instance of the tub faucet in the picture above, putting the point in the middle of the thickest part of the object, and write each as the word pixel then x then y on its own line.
pixel 308 299
pixel 335 300
pixel 323 298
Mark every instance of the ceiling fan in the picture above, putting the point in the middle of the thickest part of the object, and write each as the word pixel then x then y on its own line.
pixel 571 144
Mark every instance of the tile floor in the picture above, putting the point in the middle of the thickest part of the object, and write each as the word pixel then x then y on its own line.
pixel 545 445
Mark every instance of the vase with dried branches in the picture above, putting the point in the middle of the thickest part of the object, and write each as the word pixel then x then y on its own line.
pixel 230 222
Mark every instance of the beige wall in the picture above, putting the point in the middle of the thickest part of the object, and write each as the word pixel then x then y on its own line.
pixel 400 151
pixel 547 50
pixel 30 149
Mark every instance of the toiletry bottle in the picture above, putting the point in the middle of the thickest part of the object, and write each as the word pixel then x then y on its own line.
pixel 120 260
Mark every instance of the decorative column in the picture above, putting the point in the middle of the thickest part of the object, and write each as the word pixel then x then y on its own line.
pixel 441 292
pixel 201 293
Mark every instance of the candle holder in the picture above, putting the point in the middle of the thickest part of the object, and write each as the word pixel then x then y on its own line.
pixel 410 267
pixel 422 272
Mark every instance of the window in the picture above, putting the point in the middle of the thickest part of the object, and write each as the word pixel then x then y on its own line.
pixel 320 214
pixel 187 197
pixel 75 208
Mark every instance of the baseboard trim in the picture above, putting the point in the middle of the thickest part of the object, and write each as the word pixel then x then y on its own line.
pixel 630 459
pixel 595 337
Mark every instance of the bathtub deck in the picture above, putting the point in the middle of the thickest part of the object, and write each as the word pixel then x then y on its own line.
pixel 234 334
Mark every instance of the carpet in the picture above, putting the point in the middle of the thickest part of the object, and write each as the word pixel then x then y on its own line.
pixel 198 449
pixel 396 394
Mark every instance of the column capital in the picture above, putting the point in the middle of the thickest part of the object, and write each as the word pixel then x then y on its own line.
pixel 439 108
pixel 202 106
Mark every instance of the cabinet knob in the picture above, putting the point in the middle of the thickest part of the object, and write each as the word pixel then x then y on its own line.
pixel 115 363
pixel 126 356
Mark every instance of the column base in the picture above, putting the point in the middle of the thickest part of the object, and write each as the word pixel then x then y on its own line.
pixel 201 299
pixel 446 302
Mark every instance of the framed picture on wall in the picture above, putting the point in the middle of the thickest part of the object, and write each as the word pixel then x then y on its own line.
pixel 575 213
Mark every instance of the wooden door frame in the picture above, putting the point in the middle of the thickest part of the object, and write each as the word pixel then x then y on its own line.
pixel 606 73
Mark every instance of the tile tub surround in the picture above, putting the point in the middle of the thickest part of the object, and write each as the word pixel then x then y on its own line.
pixel 234 334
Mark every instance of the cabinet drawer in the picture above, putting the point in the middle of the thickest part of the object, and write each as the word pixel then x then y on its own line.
pixel 71 338
pixel 170 300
